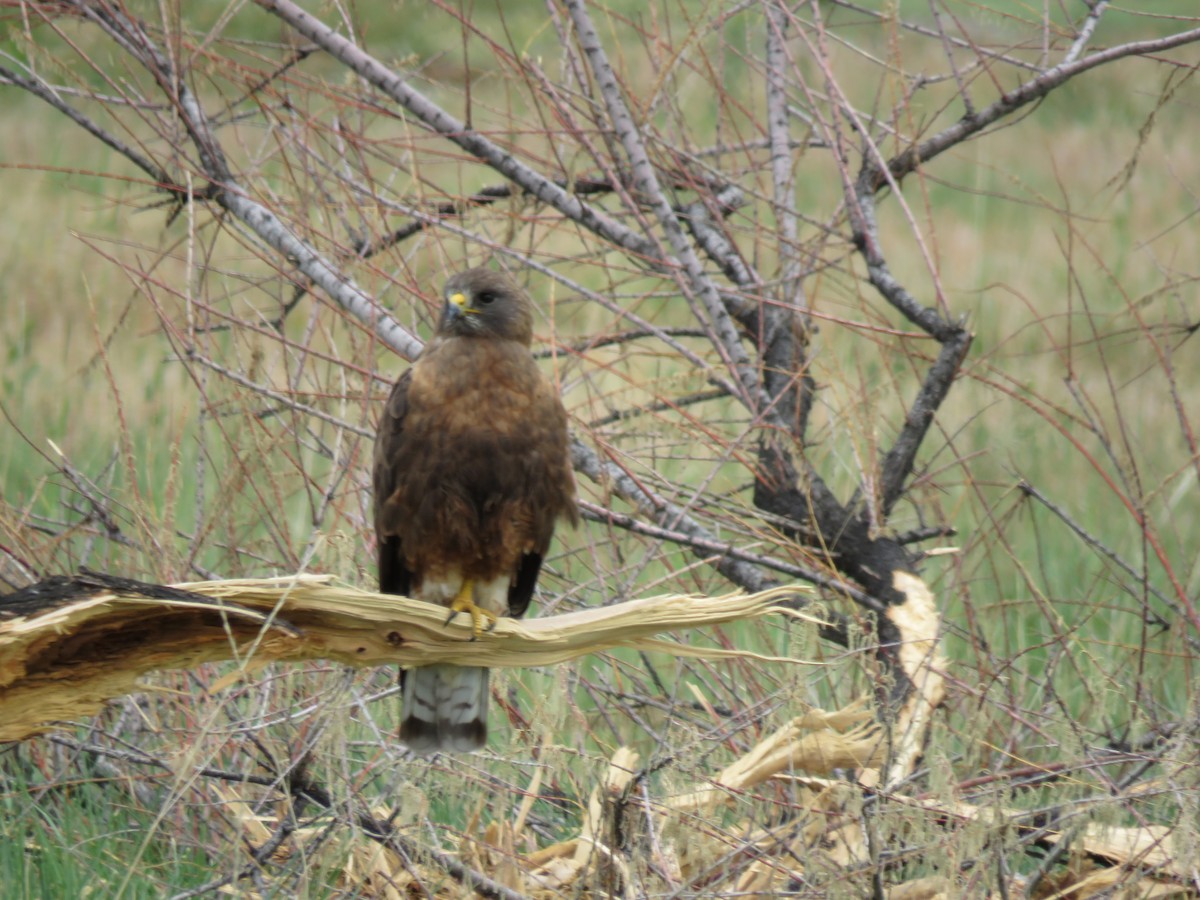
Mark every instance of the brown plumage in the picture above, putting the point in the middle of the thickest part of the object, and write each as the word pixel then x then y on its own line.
pixel 472 470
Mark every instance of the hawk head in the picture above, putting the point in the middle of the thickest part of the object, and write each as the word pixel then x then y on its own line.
pixel 483 303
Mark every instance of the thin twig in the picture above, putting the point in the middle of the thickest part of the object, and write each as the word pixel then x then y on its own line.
pixel 1089 27
pixel 45 92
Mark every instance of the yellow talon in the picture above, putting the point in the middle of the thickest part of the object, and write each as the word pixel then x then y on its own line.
pixel 463 602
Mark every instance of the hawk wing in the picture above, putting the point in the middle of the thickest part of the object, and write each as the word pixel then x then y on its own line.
pixel 552 490
pixel 394 574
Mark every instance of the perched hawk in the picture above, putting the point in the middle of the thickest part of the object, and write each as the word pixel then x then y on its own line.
pixel 471 473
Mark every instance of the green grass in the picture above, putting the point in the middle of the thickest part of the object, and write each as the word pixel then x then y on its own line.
pixel 75 838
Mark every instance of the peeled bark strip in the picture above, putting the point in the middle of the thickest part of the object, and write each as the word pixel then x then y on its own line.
pixel 921 658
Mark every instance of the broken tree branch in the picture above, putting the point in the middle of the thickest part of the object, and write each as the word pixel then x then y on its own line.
pixel 68 644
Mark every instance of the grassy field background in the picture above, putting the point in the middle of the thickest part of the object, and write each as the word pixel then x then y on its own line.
pixel 1067 240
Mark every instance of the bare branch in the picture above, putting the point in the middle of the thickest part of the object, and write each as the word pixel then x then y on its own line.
pixel 697 282
pixel 45 92
pixel 1089 27
pixel 781 155
pixel 955 339
pixel 1011 101
pixel 438 120
pixel 668 514
pixel 228 194
pixel 694 538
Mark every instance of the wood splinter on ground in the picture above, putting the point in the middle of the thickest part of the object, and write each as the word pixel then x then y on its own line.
pixel 69 644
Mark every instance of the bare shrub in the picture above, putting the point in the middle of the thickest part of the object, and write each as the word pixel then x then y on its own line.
pixel 822 286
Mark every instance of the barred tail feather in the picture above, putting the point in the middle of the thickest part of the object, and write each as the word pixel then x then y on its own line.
pixel 445 708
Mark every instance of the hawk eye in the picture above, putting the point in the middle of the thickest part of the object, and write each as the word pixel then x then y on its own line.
pixel 485 298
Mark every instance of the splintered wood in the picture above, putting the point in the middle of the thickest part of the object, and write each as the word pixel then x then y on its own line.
pixel 73 644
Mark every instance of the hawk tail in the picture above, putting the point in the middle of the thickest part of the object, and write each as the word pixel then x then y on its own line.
pixel 445 708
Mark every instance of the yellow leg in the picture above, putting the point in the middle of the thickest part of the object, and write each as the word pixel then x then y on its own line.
pixel 463 602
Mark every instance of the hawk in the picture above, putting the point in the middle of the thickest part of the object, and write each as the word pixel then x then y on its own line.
pixel 472 471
